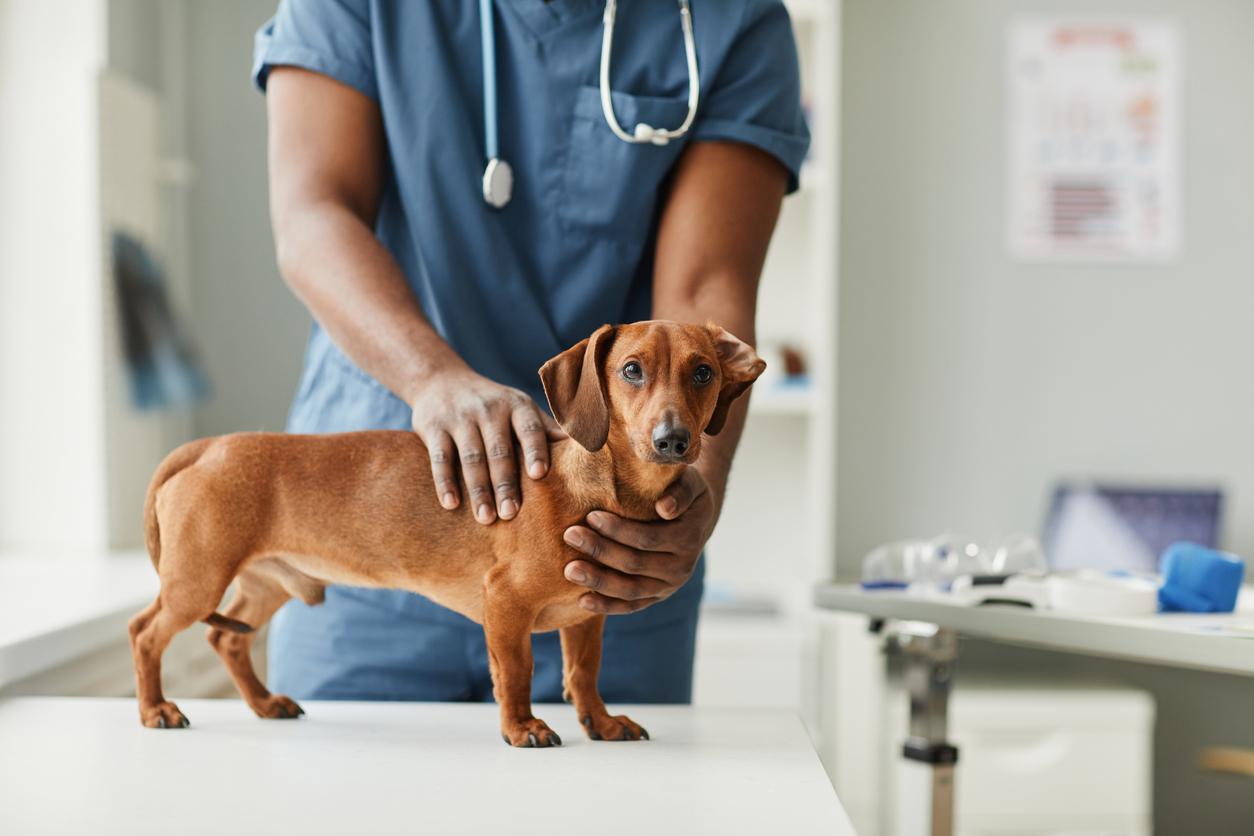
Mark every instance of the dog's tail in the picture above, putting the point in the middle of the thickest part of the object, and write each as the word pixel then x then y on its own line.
pixel 230 624
pixel 180 459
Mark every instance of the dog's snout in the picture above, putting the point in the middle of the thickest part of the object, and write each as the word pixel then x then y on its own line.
pixel 671 441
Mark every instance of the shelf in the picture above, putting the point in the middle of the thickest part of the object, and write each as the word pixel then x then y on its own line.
pixel 813 178
pixel 808 11
pixel 54 609
pixel 782 399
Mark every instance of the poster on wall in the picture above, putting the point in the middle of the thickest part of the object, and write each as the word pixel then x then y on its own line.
pixel 1094 140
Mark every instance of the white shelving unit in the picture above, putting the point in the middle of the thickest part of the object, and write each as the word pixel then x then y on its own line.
pixel 776 537
pixel 783 400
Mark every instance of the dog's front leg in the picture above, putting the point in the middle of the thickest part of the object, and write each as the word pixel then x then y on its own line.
pixel 507 623
pixel 581 662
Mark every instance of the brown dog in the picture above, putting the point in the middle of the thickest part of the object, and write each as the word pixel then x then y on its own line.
pixel 284 515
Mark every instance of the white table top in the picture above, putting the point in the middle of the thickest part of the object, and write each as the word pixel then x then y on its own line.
pixel 86 766
pixel 1222 643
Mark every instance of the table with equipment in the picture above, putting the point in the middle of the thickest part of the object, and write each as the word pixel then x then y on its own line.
pixel 925 630
pixel 72 765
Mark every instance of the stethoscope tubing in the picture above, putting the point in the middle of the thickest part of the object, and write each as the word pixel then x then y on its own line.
pixel 645 133
pixel 487 35
pixel 498 177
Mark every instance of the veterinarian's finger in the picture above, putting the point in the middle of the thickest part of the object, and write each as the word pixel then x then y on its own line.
pixel 502 464
pixel 442 452
pixel 551 427
pixel 649 537
pixel 658 566
pixel 613 606
pixel 679 497
pixel 475 473
pixel 532 435
pixel 614 584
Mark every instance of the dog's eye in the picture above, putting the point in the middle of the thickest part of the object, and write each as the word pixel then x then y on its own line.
pixel 633 372
pixel 703 375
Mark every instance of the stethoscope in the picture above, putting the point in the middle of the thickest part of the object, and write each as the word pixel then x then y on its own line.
pixel 498 177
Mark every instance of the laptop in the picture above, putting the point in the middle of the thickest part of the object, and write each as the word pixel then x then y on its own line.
pixel 1111 527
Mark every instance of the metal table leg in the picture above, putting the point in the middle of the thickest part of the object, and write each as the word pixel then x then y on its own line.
pixel 927 786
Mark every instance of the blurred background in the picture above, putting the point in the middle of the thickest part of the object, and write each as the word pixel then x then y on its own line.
pixel 945 357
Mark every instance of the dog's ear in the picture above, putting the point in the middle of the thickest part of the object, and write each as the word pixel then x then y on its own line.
pixel 740 365
pixel 574 383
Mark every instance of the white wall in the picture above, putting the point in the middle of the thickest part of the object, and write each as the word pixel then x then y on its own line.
pixel 251 329
pixel 51 412
pixel 970 382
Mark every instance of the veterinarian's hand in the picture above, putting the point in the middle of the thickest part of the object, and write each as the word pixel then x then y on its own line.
pixel 635 564
pixel 467 419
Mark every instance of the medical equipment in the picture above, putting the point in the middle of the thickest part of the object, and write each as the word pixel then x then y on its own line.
pixel 645 133
pixel 1098 593
pixel 986 590
pixel 498 176
pixel 933 565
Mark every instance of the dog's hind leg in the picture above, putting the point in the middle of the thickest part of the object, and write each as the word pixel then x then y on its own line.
pixel 581 662
pixel 151 631
pixel 256 598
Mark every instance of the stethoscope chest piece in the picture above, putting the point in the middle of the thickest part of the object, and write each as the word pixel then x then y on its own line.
pixel 498 183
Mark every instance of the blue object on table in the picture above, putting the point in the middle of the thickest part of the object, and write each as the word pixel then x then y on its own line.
pixel 1198 579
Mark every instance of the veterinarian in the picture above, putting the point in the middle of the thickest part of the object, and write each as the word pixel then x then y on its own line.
pixel 456 201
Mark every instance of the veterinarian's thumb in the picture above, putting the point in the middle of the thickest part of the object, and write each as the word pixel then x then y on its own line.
pixel 551 428
pixel 681 494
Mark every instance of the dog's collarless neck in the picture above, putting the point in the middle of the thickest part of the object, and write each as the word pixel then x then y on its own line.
pixel 619 484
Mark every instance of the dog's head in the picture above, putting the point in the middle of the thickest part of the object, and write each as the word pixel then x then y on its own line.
pixel 657 385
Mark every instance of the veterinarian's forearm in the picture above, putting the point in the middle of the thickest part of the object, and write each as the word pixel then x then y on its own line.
pixel 355 290
pixel 326 162
pixel 712 242
pixel 723 300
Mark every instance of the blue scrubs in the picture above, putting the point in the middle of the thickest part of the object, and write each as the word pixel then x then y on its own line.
pixel 510 288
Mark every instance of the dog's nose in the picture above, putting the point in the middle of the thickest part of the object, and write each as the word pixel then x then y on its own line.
pixel 670 441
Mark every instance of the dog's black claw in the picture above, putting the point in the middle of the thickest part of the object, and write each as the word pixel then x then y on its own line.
pixel 184 723
pixel 595 735
pixel 644 734
pixel 628 734
pixel 531 741
pixel 161 722
pixel 299 711
pixel 554 739
pixel 505 737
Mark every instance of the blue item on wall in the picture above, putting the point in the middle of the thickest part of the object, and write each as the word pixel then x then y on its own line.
pixel 164 369
pixel 1198 579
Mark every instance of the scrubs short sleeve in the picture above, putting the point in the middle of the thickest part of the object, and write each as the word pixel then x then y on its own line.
pixel 755 97
pixel 331 37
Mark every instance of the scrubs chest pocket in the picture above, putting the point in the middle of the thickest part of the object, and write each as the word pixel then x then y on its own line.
pixel 610 187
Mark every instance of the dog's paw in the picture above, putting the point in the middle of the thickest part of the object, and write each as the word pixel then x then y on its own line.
pixel 607 727
pixel 278 707
pixel 163 715
pixel 530 734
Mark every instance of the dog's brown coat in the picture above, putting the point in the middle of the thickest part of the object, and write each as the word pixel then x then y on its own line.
pixel 284 515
